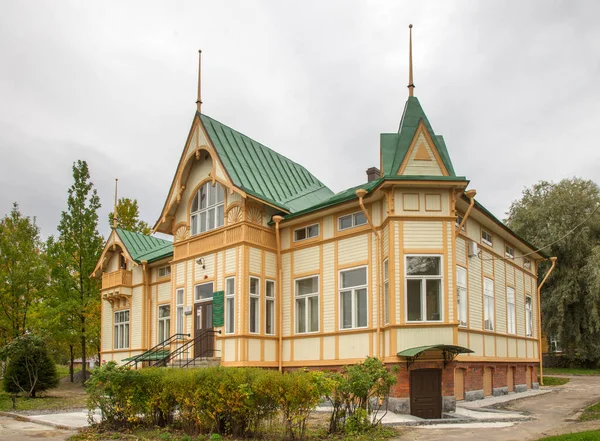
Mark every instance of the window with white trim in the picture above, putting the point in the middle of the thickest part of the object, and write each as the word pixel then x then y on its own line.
pixel 230 305
pixel 208 208
pixel 509 252
pixel 121 329
pixel 164 271
pixel 254 305
pixel 351 220
pixel 353 298
pixel 511 310
pixel 526 263
pixel 203 291
pixel 164 322
pixel 461 295
pixel 306 232
pixel 179 310
pixel 528 316
pixel 486 238
pixel 423 288
pixel 488 304
pixel 307 304
pixel 270 307
pixel 386 293
pixel 555 345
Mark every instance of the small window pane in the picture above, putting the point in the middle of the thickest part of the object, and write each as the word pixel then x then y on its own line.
pixel 164 311
pixel 230 315
pixel 359 219
pixel 180 296
pixel 433 299
pixel 203 196
pixel 195 203
pixel 300 315
pixel 254 314
pixel 270 317
pixel 361 302
pixel 254 282
pixel 423 266
pixel 414 300
pixel 203 221
pixel 346 306
pixel 355 277
pixel 300 234
pixel 345 222
pixel 313 313
pixel 385 270
pixel 270 288
pixel 204 291
pixel 313 230
pixel 211 219
pixel 230 283
pixel 212 194
pixel 307 286
pixel 220 193
pixel 220 215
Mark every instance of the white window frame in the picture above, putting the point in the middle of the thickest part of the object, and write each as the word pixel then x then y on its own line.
pixel 307 230
pixel 229 306
pixel 528 316
pixel 489 242
pixel 424 279
pixel 166 271
pixel 305 298
pixel 353 216
pixel 206 299
pixel 354 307
pixel 461 296
pixel 164 323
pixel 179 313
pixel 489 305
pixel 270 307
pixel 254 322
pixel 386 291
pixel 511 311
pixel 218 207
pixel 121 334
pixel 526 263
pixel 509 251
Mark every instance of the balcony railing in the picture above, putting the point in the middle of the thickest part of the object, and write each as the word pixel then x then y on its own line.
pixel 116 278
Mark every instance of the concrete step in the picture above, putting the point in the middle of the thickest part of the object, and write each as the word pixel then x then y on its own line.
pixel 197 363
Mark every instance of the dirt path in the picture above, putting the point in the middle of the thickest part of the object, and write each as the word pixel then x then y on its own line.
pixel 550 410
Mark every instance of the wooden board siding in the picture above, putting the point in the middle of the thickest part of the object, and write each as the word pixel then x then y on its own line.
pixel 328 284
pixel 306 260
pixel 475 294
pixel 407 337
pixel 500 296
pixel 353 250
pixel 422 167
pixel 287 296
pixel 423 235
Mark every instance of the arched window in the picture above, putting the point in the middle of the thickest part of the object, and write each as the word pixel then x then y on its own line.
pixel 208 208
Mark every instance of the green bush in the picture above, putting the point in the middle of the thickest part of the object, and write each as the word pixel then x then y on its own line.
pixel 30 369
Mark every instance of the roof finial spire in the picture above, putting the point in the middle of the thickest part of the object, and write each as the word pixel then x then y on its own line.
pixel 411 86
pixel 199 100
pixel 115 206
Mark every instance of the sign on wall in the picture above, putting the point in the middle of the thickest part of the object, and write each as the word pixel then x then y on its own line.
pixel 218 309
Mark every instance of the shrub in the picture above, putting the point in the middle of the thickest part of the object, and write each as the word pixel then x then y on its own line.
pixel 30 369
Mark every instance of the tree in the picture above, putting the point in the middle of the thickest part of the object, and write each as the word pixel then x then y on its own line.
pixel 23 272
pixel 81 247
pixel 128 217
pixel 30 368
pixel 546 213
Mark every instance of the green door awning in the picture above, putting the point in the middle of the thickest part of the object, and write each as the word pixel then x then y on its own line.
pixel 448 351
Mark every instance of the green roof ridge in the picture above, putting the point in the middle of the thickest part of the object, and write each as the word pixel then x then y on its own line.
pixel 143 247
pixel 262 172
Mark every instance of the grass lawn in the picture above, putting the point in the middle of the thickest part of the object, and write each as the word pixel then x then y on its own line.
pixel 591 413
pixel 590 435
pixel 571 371
pixel 554 381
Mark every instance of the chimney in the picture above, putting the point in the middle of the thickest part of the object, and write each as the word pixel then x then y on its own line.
pixel 372 174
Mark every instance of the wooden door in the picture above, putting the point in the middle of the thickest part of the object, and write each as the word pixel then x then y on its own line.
pixel 528 377
pixel 426 393
pixel 510 379
pixel 205 344
pixel 459 384
pixel 487 381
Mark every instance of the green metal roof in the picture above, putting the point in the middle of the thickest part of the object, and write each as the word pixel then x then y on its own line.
pixel 394 146
pixel 263 173
pixel 142 247
pixel 416 351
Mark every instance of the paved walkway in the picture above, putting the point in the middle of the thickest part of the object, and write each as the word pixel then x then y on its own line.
pixel 15 430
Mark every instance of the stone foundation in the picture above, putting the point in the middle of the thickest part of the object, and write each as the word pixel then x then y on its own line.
pixel 473 395
pixel 399 405
pixel 520 388
pixel 498 391
pixel 448 404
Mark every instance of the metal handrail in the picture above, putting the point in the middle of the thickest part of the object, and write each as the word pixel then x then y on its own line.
pixel 157 348
pixel 187 347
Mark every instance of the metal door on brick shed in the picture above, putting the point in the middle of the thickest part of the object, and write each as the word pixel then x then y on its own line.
pixel 426 393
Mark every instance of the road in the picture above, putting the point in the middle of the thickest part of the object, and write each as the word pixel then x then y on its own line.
pixel 550 410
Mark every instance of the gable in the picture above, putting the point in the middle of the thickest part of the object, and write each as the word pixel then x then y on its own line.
pixel 422 157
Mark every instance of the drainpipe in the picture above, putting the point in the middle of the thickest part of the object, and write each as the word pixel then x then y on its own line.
pixel 361 194
pixel 471 195
pixel 278 219
pixel 539 303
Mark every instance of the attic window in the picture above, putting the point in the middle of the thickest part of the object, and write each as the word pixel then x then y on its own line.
pixel 306 232
pixel 486 238
pixel 351 220
pixel 164 271
pixel 208 207
pixel 509 252
pixel 526 263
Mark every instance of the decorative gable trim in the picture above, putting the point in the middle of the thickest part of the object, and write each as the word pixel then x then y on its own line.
pixel 422 151
pixel 111 243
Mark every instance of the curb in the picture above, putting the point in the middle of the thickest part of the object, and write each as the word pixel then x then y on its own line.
pixel 458 421
pixel 28 419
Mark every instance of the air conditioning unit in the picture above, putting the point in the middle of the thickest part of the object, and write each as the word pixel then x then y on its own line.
pixel 473 249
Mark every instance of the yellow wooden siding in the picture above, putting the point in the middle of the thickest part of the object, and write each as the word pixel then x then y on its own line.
pixel 306 260
pixel 180 273
pixel 372 294
pixel 520 303
pixel 107 326
pixel 328 227
pixel 270 349
pixel 307 349
pixel 422 168
pixel 153 311
pixel 253 349
pixel 450 292
pixel 475 294
pixel 500 295
pixel 113 262
pixel 512 347
pixel 229 348
pixel 287 293
pixel 234 198
pixel 521 348
pixel 230 260
pixel 137 275
pixel 199 171
pixel 354 249
pixel 408 202
pixel 286 350
pixel 399 269
pixel 189 295
pixel 489 345
pixel 385 240
pixel 461 251
pixel 164 292
pixel 529 348
pixel 473 230
pixel 285 238
pixel 255 260
pixel 328 296
pixel 476 344
pixel 219 273
pixel 240 289
pixel 501 347
pixel 411 337
pixel 423 235
pixel 135 319
pixel 329 348
pixel 488 263
pixel 353 345
pixel 463 339
pixel 270 264
pixel 208 272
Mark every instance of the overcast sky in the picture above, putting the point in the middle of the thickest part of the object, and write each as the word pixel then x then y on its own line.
pixel 512 85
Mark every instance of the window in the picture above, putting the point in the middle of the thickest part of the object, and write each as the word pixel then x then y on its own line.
pixel 179 310
pixel 353 298
pixel 528 316
pixel 486 238
pixel 230 300
pixel 526 263
pixel 164 322
pixel 351 220
pixel 423 288
pixel 461 288
pixel 509 252
pixel 488 304
pixel 511 311
pixel 270 307
pixel 306 232
pixel 254 304
pixel 203 292
pixel 307 305
pixel 459 219
pixel 121 336
pixel 554 344
pixel 164 271
pixel 208 206
pixel 386 293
